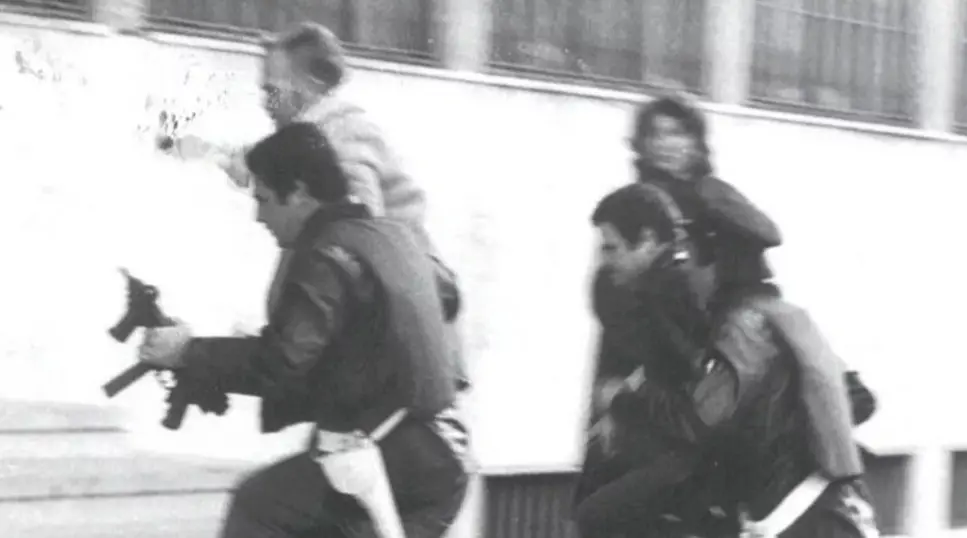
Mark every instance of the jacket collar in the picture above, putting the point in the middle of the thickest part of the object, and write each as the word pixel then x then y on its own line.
pixel 326 215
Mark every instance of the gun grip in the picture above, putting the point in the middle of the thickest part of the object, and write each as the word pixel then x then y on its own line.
pixel 122 331
pixel 126 378
pixel 176 413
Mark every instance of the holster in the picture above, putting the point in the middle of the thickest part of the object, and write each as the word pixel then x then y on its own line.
pixel 353 464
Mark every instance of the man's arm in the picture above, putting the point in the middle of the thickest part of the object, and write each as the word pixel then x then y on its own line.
pixel 685 419
pixel 823 389
pixel 691 416
pixel 310 313
pixel 688 417
pixel 229 157
pixel 729 209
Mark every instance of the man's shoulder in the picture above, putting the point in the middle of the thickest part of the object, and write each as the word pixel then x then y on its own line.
pixel 378 225
pixel 744 335
pixel 749 313
pixel 316 259
pixel 334 111
pixel 361 235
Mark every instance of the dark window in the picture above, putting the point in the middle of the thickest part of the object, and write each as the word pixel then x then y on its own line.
pixel 851 59
pixel 621 43
pixel 60 9
pixel 391 29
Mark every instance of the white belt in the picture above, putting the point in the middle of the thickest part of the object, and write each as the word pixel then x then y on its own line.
pixel 789 510
pixel 329 442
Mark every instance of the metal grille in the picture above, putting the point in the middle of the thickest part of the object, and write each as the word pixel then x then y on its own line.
pixel 886 477
pixel 539 506
pixel 61 9
pixel 624 43
pixel 960 115
pixel 529 506
pixel 837 58
pixel 958 495
pixel 392 29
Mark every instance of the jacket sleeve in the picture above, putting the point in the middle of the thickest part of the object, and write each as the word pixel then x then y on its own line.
pixel 311 311
pixel 730 210
pixel 682 422
pixel 687 417
pixel 823 389
pixel 361 149
pixel 692 415
pixel 235 167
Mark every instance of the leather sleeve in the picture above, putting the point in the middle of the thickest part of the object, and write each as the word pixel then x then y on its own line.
pixel 319 291
pixel 312 310
pixel 688 418
pixel 743 352
pixel 730 211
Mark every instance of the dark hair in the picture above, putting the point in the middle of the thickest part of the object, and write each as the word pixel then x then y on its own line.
pixel 632 209
pixel 298 152
pixel 314 49
pixel 678 107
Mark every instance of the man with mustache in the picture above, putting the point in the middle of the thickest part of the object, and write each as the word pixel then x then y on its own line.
pixel 741 405
pixel 355 344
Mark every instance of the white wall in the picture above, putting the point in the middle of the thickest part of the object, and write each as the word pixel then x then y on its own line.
pixel 872 224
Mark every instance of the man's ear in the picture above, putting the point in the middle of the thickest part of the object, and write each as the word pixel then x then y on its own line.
pixel 300 195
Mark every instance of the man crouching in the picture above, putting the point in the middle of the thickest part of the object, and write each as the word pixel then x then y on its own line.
pixel 355 343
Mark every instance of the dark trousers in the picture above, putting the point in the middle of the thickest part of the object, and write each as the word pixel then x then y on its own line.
pixel 616 498
pixel 293 499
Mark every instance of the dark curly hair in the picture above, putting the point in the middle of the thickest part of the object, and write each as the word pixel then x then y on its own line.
pixel 298 153
pixel 679 107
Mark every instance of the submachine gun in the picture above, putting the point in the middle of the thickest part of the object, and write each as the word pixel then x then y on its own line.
pixel 143 312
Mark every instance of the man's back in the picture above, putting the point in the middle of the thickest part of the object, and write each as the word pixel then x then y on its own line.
pixel 374 170
pixel 391 350
pixel 776 438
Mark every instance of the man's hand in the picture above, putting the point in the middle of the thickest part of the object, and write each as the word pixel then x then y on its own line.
pixel 605 391
pixel 194 148
pixel 164 347
pixel 188 147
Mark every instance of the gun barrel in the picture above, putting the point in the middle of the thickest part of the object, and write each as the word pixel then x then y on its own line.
pixel 126 378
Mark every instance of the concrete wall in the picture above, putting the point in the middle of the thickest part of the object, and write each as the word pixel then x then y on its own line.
pixel 872 223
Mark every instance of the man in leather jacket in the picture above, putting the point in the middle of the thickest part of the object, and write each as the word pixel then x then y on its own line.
pixel 355 334
pixel 664 460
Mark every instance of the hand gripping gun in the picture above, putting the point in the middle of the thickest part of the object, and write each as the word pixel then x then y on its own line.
pixel 143 312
